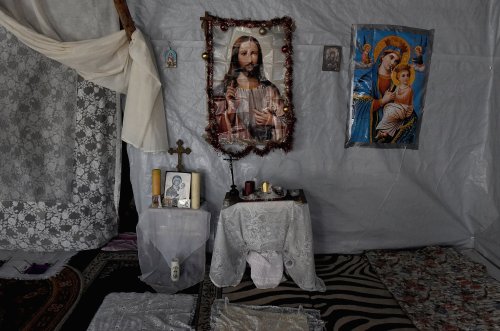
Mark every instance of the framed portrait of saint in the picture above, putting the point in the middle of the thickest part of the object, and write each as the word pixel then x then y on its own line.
pixel 249 82
pixel 332 55
pixel 389 69
pixel 177 188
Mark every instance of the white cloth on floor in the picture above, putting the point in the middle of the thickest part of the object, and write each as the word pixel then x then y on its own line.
pixel 266 268
pixel 145 311
pixel 32 265
pixel 245 319
pixel 225 316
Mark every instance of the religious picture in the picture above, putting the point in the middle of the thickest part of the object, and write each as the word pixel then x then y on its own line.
pixel 331 58
pixel 177 188
pixel 170 58
pixel 390 68
pixel 248 84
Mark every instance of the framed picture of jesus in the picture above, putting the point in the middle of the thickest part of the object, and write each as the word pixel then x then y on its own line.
pixel 249 80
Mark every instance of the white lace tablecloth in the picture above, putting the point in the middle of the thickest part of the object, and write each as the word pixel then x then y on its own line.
pixel 268 231
pixel 145 311
pixel 168 233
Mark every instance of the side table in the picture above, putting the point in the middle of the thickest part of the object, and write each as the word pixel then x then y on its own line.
pixel 168 233
pixel 275 231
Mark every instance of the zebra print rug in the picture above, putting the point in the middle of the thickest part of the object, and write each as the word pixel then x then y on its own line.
pixel 355 298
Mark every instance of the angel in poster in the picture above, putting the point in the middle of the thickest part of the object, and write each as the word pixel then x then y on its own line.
pixel 390 87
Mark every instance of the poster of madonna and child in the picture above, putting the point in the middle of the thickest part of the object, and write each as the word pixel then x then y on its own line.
pixel 390 66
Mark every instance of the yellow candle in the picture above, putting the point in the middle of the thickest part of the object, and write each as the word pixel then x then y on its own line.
pixel 195 190
pixel 156 181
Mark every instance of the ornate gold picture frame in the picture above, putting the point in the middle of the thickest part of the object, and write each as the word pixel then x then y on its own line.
pixel 249 85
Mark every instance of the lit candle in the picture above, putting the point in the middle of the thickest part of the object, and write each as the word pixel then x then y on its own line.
pixel 195 190
pixel 156 181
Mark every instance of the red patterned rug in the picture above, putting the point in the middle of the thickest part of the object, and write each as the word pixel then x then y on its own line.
pixel 39 304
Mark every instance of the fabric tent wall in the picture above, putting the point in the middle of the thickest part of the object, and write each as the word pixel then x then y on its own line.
pixel 360 198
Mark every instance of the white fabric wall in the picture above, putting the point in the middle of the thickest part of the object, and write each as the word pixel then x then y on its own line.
pixel 360 198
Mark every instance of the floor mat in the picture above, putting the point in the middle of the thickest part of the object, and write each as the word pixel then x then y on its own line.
pixel 439 288
pixel 38 304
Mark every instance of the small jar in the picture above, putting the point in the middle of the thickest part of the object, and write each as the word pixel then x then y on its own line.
pixel 175 270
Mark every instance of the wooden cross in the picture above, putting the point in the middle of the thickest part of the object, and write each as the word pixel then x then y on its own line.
pixel 179 150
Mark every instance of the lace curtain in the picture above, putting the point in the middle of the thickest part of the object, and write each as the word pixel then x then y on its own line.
pixel 59 140
pixel 37 124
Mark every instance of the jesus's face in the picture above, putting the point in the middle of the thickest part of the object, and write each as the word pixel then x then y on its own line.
pixel 248 56
pixel 404 77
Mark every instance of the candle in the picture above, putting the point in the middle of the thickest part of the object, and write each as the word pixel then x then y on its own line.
pixel 195 190
pixel 266 187
pixel 249 187
pixel 156 181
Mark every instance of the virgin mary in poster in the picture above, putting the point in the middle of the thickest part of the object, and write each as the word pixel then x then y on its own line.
pixel 390 66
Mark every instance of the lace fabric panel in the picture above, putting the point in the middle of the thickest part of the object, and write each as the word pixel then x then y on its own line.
pixel 37 124
pixel 282 226
pixel 229 316
pixel 75 206
pixel 145 311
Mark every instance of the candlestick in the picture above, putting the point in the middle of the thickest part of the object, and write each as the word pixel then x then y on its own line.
pixel 195 190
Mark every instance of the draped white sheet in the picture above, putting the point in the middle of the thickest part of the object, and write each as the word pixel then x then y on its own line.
pixel 168 233
pixel 264 227
pixel 112 62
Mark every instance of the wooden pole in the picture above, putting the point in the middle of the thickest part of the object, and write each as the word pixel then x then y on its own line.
pixel 125 18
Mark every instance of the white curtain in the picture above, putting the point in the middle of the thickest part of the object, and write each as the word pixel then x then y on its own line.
pixel 111 62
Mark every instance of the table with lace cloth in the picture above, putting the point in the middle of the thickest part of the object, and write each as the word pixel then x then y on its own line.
pixel 268 235
pixel 168 233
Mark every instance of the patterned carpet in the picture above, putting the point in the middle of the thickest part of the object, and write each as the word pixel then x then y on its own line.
pixel 439 288
pixel 38 304
pixel 355 298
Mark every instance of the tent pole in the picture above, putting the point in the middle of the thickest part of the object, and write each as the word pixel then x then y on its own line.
pixel 125 18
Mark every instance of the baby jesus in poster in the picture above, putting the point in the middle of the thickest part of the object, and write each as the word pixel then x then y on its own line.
pixel 387 94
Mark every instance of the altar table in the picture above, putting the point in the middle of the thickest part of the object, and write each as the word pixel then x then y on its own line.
pixel 168 233
pixel 265 231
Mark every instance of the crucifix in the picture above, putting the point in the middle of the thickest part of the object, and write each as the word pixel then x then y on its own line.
pixel 179 150
pixel 234 191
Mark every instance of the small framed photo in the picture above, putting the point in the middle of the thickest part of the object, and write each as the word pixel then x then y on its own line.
pixel 332 56
pixel 177 188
